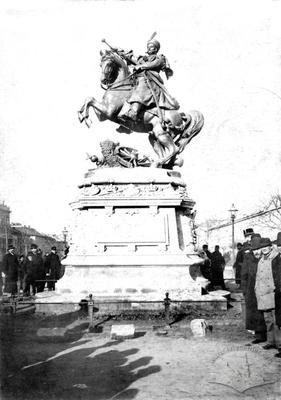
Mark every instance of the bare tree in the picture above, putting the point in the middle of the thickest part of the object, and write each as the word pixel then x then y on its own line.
pixel 270 215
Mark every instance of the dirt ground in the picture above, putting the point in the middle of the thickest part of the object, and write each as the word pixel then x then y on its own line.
pixel 57 358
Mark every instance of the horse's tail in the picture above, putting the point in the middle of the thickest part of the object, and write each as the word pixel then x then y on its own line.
pixel 196 123
pixel 193 127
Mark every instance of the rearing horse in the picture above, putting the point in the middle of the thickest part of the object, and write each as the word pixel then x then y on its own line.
pixel 168 139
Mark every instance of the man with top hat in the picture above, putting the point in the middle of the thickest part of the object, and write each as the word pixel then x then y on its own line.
pixel 52 268
pixel 268 292
pixel 246 247
pixel 254 319
pixel 149 90
pixel 10 267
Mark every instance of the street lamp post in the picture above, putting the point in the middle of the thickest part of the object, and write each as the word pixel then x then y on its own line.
pixel 233 211
pixel 64 232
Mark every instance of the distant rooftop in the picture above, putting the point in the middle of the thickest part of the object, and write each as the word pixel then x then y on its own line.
pixel 28 230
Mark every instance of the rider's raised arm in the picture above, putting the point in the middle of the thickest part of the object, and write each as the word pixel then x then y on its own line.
pixel 156 64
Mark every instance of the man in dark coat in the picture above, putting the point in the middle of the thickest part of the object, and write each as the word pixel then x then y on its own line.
pixel 238 263
pixel 254 319
pixel 11 269
pixel 52 268
pixel 38 268
pixel 276 272
pixel 217 268
pixel 29 276
pixel 206 266
pixel 268 293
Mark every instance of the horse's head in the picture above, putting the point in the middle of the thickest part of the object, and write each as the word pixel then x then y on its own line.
pixel 111 63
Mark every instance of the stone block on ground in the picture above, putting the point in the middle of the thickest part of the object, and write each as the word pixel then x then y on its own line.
pixel 122 331
pixel 51 332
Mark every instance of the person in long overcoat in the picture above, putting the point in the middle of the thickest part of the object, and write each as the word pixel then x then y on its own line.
pixel 29 276
pixel 276 273
pixel 268 291
pixel 217 268
pixel 52 267
pixel 38 269
pixel 206 266
pixel 10 267
pixel 254 319
pixel 238 263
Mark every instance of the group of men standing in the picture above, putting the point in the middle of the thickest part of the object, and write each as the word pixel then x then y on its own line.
pixel 258 272
pixel 213 267
pixel 30 273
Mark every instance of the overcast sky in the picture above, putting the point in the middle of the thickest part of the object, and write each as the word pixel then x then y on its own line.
pixel 226 61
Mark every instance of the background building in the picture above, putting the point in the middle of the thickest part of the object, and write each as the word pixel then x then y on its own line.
pixel 5 237
pixel 22 236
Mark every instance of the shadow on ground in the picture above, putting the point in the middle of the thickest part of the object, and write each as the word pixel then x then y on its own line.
pixel 78 373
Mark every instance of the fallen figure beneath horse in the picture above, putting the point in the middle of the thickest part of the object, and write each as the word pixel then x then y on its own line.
pixel 170 130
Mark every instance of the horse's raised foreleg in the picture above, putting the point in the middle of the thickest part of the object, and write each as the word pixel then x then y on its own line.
pixel 99 108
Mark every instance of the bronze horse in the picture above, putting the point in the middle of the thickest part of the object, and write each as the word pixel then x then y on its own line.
pixel 167 137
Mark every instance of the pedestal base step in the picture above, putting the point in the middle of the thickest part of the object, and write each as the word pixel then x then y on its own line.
pixel 51 303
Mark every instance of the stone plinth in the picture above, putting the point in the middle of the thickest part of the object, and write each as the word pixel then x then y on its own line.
pixel 133 237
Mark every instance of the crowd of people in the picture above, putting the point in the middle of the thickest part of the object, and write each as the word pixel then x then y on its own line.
pixel 29 274
pixel 258 274
pixel 257 271
pixel 213 267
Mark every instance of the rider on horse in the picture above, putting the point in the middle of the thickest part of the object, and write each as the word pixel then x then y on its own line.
pixel 149 91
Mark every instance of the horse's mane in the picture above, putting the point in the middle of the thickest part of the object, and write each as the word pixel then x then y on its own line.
pixel 120 61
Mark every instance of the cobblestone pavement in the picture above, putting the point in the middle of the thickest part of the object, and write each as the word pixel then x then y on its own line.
pixel 155 364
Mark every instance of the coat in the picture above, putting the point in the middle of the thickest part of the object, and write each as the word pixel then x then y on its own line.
pixel 53 265
pixel 34 268
pixel 265 286
pixel 276 272
pixel 11 266
pixel 238 265
pixel 254 317
pixel 217 267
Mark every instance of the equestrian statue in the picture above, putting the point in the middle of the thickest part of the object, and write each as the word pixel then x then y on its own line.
pixel 135 98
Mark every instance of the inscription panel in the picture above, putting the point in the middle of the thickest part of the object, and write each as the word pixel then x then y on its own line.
pixel 136 228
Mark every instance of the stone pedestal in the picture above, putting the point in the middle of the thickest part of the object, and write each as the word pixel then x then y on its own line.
pixel 133 237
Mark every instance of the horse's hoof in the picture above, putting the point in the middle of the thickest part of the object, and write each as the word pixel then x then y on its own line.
pixel 80 116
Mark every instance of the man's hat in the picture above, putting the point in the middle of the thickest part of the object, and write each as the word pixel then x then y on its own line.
pixel 256 235
pixel 264 242
pixel 155 42
pixel 278 242
pixel 34 246
pixel 53 248
pixel 11 247
pixel 248 232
